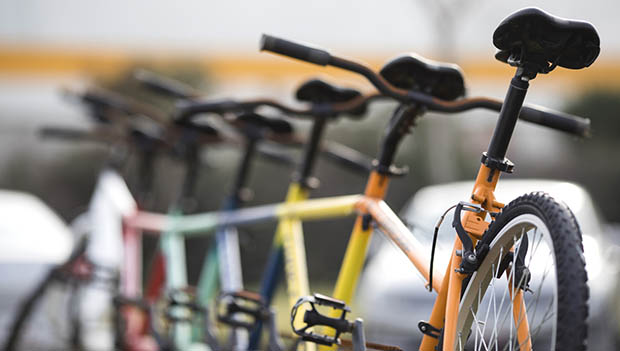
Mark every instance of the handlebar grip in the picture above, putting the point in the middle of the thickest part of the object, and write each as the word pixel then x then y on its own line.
pixel 557 120
pixel 294 50
pixel 99 100
pixel 64 133
pixel 164 85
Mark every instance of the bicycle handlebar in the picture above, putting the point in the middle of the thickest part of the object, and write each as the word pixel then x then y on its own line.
pixel 276 156
pixel 98 98
pixel 542 116
pixel 557 120
pixel 69 133
pixel 348 157
pixel 164 85
pixel 295 50
pixel 337 152
pixel 186 111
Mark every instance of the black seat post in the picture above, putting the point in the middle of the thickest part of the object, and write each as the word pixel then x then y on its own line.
pixel 243 171
pixel 403 119
pixel 147 154
pixel 304 173
pixel 191 156
pixel 508 116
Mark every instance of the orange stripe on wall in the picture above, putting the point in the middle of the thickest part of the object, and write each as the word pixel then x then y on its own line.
pixel 55 61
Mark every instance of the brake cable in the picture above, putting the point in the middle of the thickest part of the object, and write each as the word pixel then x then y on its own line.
pixel 435 233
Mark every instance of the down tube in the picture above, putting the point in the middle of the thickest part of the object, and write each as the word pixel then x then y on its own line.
pixel 397 232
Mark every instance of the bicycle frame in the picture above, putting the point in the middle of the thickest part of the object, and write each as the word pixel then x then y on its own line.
pixel 111 244
pixel 296 211
pixel 371 209
pixel 447 285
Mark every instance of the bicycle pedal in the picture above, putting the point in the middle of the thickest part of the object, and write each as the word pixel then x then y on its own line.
pixel 242 309
pixel 182 306
pixel 313 318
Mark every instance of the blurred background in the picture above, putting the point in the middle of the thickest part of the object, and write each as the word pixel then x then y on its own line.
pixel 46 45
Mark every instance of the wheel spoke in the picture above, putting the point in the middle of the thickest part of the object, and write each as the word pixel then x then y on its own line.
pixel 494 317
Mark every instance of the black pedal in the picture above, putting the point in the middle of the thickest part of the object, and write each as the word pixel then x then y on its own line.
pixel 182 307
pixel 313 317
pixel 242 309
pixel 186 299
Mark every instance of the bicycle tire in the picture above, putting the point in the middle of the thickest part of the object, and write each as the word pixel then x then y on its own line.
pixel 24 312
pixel 559 288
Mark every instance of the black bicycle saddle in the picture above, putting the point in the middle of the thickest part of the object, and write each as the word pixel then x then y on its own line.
pixel 317 91
pixel 274 125
pixel 413 72
pixel 534 36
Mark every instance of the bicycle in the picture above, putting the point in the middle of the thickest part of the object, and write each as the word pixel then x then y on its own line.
pixel 466 258
pixel 536 43
pixel 317 93
pixel 92 271
pixel 374 212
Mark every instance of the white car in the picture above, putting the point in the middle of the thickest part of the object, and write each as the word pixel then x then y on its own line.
pixel 392 298
pixel 33 239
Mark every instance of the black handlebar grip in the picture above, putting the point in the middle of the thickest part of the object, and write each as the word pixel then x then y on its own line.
pixel 99 100
pixel 64 133
pixel 164 85
pixel 557 120
pixel 294 50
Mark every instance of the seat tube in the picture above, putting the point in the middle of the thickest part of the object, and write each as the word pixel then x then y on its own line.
pixel 483 192
pixel 227 238
pixel 358 243
pixel 376 188
pixel 355 253
pixel 508 116
pixel 288 252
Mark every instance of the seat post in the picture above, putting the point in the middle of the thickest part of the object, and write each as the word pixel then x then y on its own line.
pixel 401 123
pixel 508 116
pixel 311 149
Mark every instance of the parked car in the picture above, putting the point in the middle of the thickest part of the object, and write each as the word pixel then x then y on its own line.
pixel 392 297
pixel 33 239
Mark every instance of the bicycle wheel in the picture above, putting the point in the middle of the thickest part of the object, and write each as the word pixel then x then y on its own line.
pixel 535 260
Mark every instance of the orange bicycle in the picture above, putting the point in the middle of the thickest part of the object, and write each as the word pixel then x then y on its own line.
pixel 516 278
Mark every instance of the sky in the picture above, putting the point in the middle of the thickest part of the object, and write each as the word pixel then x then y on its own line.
pixel 235 26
